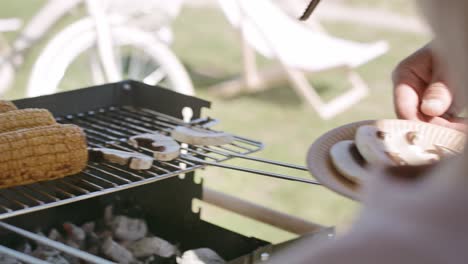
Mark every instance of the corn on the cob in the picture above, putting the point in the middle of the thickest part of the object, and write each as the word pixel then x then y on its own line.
pixel 6 106
pixel 25 118
pixel 41 153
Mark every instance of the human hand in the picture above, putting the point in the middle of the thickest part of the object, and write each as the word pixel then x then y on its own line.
pixel 421 91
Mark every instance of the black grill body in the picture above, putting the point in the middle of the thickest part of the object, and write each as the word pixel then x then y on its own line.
pixel 165 204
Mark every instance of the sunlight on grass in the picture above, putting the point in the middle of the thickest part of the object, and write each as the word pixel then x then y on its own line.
pixel 407 7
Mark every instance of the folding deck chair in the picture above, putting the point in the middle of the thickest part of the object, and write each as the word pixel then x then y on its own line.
pixel 298 48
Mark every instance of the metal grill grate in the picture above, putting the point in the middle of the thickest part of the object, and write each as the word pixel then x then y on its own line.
pixel 111 128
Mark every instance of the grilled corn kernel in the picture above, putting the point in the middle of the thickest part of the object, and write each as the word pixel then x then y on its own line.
pixel 41 153
pixel 25 118
pixel 6 106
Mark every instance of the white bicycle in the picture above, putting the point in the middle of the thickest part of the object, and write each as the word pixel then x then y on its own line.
pixel 123 39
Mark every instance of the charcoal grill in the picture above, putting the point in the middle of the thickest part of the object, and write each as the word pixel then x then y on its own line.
pixel 110 114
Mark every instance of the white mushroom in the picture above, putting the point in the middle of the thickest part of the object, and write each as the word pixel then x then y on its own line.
pixel 199 137
pixel 200 256
pixel 348 161
pixel 135 161
pixel 152 246
pixel 128 229
pixel 402 148
pixel 164 148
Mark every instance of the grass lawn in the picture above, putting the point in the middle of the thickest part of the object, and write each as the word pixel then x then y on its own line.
pixel 205 42
pixel 401 6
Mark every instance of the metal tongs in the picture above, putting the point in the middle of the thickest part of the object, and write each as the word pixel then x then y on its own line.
pixel 206 123
pixel 194 154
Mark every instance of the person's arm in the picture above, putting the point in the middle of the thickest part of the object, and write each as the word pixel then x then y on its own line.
pixel 410 215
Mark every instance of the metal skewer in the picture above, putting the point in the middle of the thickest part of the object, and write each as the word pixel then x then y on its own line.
pixel 225 152
pixel 262 160
pixel 259 172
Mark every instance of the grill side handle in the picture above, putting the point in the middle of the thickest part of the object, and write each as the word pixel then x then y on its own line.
pixel 260 213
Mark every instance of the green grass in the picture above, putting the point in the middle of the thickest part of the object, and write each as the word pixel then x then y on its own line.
pixel 400 6
pixel 12 8
pixel 206 43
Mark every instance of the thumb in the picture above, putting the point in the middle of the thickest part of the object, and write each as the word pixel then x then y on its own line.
pixel 436 99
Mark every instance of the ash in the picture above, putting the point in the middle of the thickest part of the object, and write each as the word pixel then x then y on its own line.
pixel 118 238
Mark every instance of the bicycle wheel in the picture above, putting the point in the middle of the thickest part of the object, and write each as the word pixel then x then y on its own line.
pixel 139 55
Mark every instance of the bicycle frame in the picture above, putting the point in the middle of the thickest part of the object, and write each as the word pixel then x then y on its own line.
pixel 53 11
pixel 12 56
pixel 98 15
pixel 36 28
pixel 104 41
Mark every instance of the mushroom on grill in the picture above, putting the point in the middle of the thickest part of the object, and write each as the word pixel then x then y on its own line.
pixel 164 148
pixel 136 161
pixel 199 137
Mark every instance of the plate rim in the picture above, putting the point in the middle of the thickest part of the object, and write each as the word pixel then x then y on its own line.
pixel 320 149
pixel 319 161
